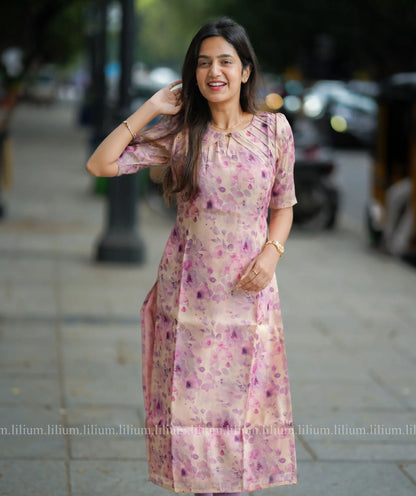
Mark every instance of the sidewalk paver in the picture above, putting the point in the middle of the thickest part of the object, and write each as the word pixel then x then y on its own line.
pixel 70 350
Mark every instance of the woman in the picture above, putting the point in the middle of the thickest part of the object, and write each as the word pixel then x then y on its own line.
pixel 214 366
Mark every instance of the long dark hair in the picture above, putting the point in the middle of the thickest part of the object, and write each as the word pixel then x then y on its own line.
pixel 194 116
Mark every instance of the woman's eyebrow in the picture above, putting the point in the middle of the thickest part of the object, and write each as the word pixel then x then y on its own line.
pixel 222 56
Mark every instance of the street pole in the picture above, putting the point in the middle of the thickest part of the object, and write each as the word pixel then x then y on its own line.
pixel 2 165
pixel 97 35
pixel 121 242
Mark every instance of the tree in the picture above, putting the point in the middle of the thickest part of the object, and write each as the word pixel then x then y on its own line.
pixel 44 31
pixel 166 27
pixel 331 39
pixel 323 38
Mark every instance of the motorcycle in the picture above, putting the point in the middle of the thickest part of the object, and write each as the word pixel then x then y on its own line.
pixel 318 198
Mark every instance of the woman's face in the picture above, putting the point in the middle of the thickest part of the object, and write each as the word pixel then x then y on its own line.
pixel 219 72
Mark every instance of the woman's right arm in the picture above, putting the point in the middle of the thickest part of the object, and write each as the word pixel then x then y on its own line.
pixel 103 162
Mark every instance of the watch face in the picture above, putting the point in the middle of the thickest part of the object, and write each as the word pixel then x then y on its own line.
pixel 279 247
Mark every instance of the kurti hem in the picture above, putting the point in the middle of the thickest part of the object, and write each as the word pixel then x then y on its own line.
pixel 167 484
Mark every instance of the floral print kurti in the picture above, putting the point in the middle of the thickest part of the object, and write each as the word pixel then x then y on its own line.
pixel 215 375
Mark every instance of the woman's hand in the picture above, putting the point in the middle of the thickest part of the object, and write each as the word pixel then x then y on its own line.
pixel 167 101
pixel 103 162
pixel 259 272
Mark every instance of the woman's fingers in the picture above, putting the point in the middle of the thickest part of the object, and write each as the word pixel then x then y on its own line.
pixel 250 279
pixel 177 95
pixel 242 280
pixel 175 83
pixel 168 99
pixel 254 278
pixel 174 95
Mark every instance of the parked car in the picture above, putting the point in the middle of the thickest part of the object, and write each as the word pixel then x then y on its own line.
pixel 42 87
pixel 345 115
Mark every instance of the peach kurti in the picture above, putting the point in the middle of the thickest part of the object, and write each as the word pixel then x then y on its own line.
pixel 215 375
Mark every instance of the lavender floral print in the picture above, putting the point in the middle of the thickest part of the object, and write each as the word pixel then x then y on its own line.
pixel 215 374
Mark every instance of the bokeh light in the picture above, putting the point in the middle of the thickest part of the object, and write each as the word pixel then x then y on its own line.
pixel 339 124
pixel 274 101
pixel 313 106
pixel 294 87
pixel 292 103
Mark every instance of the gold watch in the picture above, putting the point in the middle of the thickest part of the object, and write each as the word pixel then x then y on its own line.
pixel 279 247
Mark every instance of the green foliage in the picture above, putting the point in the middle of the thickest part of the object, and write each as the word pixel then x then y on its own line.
pixel 336 37
pixel 64 37
pixel 45 30
pixel 377 36
pixel 166 27
pixel 323 37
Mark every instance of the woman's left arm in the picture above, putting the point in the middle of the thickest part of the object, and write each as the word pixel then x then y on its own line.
pixel 259 272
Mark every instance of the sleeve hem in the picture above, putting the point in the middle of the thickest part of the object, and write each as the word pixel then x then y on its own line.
pixel 286 204
pixel 126 168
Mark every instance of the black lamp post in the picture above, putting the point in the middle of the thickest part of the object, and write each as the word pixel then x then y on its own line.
pixel 97 93
pixel 121 242
pixel 2 139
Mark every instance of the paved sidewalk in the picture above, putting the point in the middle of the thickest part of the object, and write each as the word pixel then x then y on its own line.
pixel 70 342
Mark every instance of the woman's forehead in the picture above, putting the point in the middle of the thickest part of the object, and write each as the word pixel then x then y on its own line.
pixel 217 46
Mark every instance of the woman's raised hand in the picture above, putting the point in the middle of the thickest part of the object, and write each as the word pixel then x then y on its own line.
pixel 168 100
pixel 103 162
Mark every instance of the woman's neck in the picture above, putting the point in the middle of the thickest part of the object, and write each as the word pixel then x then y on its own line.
pixel 227 118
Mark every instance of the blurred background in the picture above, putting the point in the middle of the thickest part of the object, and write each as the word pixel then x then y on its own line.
pixel 343 74
pixel 78 254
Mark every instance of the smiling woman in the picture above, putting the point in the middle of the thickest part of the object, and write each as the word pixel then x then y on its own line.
pixel 211 324
pixel 220 74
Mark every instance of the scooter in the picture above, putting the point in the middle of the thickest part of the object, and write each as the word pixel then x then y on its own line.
pixel 318 198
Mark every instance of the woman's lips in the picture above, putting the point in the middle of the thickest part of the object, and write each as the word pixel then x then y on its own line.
pixel 216 85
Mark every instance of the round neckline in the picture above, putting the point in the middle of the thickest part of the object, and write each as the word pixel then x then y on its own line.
pixel 230 133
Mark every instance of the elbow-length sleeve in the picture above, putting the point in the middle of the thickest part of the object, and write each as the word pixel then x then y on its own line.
pixel 283 191
pixel 150 147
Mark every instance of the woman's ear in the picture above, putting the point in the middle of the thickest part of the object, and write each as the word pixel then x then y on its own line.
pixel 246 74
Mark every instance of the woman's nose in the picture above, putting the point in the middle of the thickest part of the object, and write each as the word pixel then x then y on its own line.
pixel 214 69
